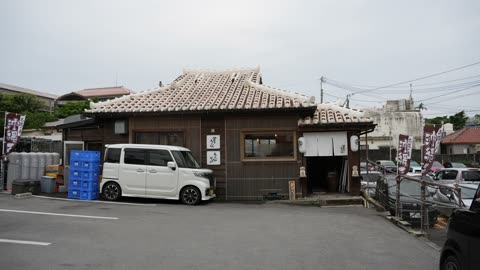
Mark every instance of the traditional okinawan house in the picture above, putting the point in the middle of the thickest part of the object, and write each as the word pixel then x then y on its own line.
pixel 246 132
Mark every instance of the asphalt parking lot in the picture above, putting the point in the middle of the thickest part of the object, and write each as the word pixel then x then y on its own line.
pixel 60 234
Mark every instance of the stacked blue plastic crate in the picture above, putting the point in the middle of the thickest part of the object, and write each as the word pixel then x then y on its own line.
pixel 83 176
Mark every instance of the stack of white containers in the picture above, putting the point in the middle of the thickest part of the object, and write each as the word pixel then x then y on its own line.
pixel 29 166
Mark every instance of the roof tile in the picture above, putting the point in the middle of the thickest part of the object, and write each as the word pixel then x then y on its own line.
pixel 466 135
pixel 198 90
pixel 329 113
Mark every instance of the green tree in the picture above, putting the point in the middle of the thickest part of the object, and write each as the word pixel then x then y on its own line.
pixel 20 103
pixel 71 108
pixel 36 120
pixel 458 120
pixel 476 119
pixel 28 105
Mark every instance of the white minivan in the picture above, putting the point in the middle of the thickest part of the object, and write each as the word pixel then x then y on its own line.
pixel 155 171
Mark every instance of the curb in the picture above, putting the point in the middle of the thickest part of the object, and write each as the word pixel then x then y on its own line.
pixel 25 195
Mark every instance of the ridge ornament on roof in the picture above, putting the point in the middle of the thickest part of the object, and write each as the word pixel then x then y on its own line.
pixel 205 90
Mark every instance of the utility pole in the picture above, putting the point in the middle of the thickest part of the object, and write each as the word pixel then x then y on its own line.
pixel 321 89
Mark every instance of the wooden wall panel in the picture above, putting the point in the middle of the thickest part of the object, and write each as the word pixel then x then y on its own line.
pixel 215 125
pixel 188 124
pixel 252 180
pixel 109 136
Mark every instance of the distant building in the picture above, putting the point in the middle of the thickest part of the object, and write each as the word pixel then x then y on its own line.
pixel 47 99
pixel 394 118
pixel 102 94
pixel 463 141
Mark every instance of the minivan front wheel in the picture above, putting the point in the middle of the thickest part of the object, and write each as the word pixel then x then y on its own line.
pixel 190 195
pixel 451 263
pixel 111 191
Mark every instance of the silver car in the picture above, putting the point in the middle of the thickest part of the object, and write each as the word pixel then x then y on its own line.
pixel 369 181
pixel 456 175
pixel 447 199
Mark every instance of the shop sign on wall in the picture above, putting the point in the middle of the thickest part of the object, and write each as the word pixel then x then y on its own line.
pixel 213 157
pixel 213 141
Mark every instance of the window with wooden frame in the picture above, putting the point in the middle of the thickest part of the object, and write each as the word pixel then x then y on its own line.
pixel 268 146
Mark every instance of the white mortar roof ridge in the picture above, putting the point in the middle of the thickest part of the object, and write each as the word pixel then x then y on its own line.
pixel 203 90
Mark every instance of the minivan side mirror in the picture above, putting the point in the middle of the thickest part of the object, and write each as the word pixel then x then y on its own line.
pixel 171 165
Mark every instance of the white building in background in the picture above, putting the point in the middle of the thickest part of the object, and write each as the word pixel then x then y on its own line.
pixel 394 118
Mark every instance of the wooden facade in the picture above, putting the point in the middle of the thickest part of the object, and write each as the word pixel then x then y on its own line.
pixel 237 178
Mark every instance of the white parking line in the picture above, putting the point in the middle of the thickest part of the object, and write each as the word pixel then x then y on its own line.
pixel 92 201
pixel 24 242
pixel 55 214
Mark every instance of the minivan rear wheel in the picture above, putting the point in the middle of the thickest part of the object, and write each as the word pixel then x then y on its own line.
pixel 190 195
pixel 111 191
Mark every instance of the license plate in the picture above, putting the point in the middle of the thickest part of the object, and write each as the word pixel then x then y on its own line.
pixel 211 192
pixel 415 215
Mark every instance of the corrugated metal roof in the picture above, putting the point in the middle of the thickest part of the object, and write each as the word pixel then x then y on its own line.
pixel 27 91
pixel 204 90
pixel 466 135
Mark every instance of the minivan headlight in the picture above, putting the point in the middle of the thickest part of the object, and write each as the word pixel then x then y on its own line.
pixel 201 174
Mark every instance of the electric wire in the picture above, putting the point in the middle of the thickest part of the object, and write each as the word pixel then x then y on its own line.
pixel 418 79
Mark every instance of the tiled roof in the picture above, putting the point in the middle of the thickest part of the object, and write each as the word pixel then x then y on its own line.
pixel 466 135
pixel 201 90
pixel 105 91
pixel 330 113
pixel 27 91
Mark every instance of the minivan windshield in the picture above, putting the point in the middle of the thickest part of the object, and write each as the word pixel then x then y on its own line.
pixel 185 159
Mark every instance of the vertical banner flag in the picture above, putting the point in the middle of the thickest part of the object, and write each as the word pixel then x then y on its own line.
pixel 431 145
pixel 12 131
pixel 405 145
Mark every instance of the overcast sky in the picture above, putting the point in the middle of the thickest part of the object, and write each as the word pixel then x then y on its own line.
pixel 64 46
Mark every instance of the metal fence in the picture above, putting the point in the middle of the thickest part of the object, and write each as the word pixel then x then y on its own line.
pixel 411 197
pixel 38 145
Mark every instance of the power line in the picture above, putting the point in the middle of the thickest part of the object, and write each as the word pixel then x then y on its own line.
pixel 407 87
pixel 413 80
pixel 454 92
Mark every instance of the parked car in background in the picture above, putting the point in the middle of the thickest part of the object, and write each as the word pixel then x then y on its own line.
pixel 457 175
pixel 436 166
pixel 449 164
pixel 460 251
pixel 410 199
pixel 368 181
pixel 364 165
pixel 155 171
pixel 386 166
pixel 415 167
pixel 447 198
